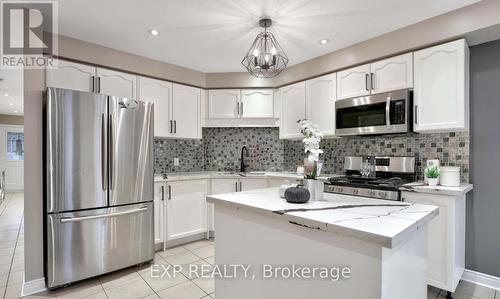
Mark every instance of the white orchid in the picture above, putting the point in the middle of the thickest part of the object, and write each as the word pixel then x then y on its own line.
pixel 312 138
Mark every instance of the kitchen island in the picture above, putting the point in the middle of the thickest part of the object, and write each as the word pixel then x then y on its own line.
pixel 378 246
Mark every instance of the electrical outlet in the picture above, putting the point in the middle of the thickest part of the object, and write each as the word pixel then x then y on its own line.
pixel 176 161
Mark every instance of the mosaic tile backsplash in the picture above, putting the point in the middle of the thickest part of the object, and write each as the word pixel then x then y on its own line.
pixel 452 149
pixel 220 148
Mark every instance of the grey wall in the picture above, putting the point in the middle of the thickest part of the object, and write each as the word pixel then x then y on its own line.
pixel 11 120
pixel 483 204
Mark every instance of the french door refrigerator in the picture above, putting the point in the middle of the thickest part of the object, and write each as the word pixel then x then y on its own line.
pixel 98 185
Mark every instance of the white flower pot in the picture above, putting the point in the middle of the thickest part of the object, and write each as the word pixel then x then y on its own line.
pixel 432 182
pixel 315 188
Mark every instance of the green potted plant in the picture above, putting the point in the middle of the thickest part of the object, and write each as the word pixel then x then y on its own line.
pixel 432 174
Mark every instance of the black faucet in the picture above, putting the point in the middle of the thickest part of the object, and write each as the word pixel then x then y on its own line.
pixel 243 166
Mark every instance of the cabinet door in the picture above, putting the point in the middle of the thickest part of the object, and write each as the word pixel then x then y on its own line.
pixel 392 74
pixel 293 108
pixel 160 93
pixel 115 83
pixel 224 103
pixel 320 103
pixel 440 243
pixel 159 212
pixel 220 186
pixel 252 184
pixel 257 103
pixel 186 209
pixel 353 82
pixel 186 111
pixel 70 75
pixel 441 93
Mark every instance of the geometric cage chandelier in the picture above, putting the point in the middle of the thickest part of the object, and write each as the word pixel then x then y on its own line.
pixel 266 58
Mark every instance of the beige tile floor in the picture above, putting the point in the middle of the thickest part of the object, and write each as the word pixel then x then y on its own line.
pixel 137 282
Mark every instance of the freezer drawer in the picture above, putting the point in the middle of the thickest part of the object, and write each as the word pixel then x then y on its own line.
pixel 89 243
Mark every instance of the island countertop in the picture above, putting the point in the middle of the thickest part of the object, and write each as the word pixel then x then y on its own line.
pixel 386 223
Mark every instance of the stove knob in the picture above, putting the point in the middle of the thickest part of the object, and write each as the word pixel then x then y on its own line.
pixel 355 191
pixel 340 189
pixel 382 194
pixel 371 193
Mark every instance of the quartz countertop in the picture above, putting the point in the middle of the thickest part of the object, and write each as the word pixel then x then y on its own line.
pixel 182 176
pixel 443 190
pixel 383 222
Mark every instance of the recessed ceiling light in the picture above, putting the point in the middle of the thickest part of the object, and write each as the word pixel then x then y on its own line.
pixel 153 32
pixel 324 41
pixel 6 94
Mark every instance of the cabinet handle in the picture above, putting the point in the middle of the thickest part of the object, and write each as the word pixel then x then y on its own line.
pixel 241 186
pixel 416 114
pixel 241 109
pixel 238 108
pixel 366 82
pixel 169 192
pixel 93 83
pixel 372 80
pixel 162 192
pixel 98 84
pixel 175 127
pixel 171 126
pixel 236 185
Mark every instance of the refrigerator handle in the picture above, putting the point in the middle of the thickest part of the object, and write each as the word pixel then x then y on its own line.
pixel 111 152
pixel 77 219
pixel 104 160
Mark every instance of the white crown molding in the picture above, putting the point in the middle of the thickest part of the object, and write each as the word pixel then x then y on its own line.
pixel 482 279
pixel 33 286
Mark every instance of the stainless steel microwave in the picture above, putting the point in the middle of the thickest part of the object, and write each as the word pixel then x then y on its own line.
pixel 384 113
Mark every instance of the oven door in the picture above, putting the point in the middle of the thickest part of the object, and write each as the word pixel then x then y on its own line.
pixel 376 114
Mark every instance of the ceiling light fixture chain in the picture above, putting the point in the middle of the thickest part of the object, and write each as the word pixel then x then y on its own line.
pixel 266 58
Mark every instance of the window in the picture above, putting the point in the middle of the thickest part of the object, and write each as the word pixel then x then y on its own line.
pixel 15 146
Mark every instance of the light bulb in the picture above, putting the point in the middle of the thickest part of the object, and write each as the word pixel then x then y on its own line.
pixel 256 52
pixel 266 58
pixel 273 51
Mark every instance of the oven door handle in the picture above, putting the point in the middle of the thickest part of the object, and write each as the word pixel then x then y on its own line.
pixel 388 112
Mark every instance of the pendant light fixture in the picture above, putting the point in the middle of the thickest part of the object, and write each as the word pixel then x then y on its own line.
pixel 266 58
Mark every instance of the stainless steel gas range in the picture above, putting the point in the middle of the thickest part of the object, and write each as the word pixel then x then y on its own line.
pixel 376 177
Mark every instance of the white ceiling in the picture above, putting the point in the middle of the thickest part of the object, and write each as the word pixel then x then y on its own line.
pixel 214 35
pixel 11 92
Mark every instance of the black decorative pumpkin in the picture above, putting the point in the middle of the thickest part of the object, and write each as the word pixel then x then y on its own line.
pixel 297 194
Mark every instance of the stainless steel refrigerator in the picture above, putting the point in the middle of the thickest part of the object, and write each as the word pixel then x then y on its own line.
pixel 98 185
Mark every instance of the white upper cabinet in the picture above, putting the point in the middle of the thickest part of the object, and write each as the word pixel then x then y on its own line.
pixel 159 93
pixel 71 75
pixel 257 103
pixel 441 92
pixel 392 74
pixel 293 108
pixel 353 82
pixel 186 111
pixel 321 94
pixel 223 103
pixel 116 83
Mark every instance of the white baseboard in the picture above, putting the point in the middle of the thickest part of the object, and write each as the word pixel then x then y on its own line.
pixel 482 279
pixel 33 286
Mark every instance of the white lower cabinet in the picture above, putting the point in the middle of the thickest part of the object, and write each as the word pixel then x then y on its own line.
pixel 252 183
pixel 446 238
pixel 159 212
pixel 186 208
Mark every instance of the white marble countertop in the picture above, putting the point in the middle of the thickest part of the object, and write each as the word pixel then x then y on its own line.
pixel 183 176
pixel 443 190
pixel 383 222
